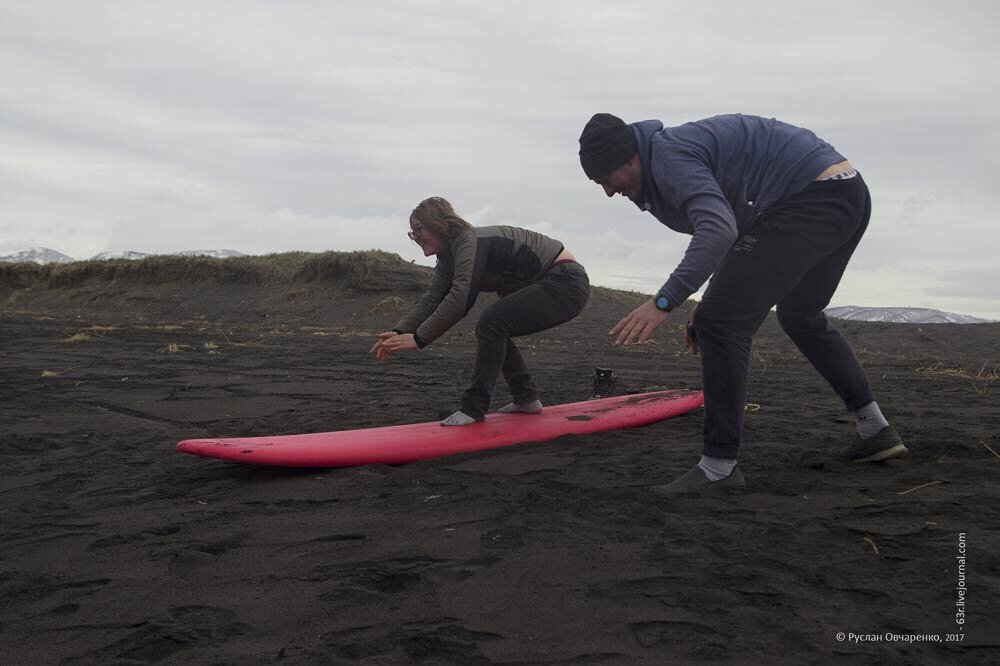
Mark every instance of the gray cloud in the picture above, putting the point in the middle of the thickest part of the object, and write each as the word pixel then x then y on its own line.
pixel 319 125
pixel 971 283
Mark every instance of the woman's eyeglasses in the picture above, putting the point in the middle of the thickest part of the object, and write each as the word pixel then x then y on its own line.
pixel 414 233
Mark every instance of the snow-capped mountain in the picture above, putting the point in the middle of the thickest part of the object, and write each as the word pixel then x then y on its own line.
pixel 121 254
pixel 902 315
pixel 218 254
pixel 131 254
pixel 44 255
pixel 38 255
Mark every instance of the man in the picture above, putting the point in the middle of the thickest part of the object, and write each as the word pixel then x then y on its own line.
pixel 774 213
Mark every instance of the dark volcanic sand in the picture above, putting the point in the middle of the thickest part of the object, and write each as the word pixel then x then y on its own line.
pixel 118 550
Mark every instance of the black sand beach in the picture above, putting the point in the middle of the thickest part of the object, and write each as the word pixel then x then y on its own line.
pixel 118 550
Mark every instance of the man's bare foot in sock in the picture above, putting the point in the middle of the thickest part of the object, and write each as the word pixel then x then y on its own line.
pixel 533 407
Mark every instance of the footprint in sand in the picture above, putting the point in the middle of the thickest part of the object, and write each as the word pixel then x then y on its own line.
pixel 180 628
pixel 189 561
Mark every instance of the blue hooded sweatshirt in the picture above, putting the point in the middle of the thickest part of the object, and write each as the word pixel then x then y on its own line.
pixel 714 178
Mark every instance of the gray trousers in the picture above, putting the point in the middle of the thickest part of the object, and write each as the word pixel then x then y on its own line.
pixel 557 297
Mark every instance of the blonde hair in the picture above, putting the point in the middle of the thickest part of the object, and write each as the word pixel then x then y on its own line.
pixel 437 214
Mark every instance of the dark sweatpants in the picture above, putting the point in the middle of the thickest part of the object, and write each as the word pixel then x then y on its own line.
pixel 554 299
pixel 793 257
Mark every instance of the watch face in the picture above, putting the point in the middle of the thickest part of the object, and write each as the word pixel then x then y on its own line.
pixel 662 302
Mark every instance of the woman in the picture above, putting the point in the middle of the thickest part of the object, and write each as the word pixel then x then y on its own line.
pixel 540 284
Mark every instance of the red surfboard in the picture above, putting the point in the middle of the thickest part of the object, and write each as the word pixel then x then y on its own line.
pixel 394 445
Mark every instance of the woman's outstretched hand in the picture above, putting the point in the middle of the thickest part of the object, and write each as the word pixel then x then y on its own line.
pixel 639 324
pixel 381 353
pixel 390 342
pixel 400 342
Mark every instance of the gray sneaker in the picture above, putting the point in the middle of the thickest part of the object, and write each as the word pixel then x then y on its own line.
pixel 695 481
pixel 883 446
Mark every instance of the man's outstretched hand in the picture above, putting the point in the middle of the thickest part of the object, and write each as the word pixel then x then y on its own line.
pixel 639 324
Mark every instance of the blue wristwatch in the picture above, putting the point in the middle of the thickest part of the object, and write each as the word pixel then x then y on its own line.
pixel 663 303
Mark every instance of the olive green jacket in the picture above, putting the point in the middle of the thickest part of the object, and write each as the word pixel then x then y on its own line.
pixel 501 259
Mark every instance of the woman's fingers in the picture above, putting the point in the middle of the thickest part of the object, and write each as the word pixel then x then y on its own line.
pixel 400 342
pixel 382 339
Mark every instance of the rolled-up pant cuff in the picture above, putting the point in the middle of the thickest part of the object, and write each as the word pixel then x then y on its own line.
pixel 716 450
pixel 475 412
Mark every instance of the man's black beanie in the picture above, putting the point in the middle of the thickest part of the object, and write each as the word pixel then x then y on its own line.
pixel 606 144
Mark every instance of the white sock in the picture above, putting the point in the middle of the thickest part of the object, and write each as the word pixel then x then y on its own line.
pixel 716 469
pixel 870 420
pixel 459 418
pixel 534 407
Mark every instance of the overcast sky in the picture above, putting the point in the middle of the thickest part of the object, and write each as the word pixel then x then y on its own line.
pixel 267 126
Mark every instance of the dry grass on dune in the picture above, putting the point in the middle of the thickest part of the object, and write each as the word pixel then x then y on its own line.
pixel 370 270
pixel 630 298
pixel 379 284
